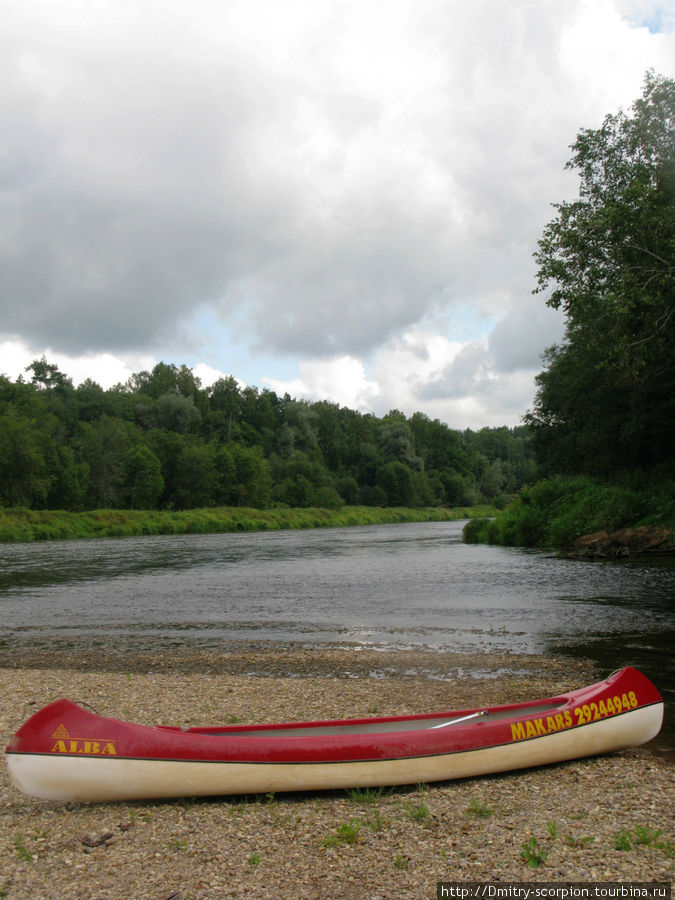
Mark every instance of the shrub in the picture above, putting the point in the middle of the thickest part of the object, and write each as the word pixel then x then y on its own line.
pixel 557 511
pixel 476 531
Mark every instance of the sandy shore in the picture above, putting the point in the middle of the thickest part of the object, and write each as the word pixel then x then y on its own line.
pixel 293 846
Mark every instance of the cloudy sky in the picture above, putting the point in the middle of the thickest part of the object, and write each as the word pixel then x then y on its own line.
pixel 335 198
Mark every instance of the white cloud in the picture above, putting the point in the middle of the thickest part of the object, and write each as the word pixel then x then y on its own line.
pixel 456 382
pixel 104 368
pixel 468 384
pixel 344 184
pixel 207 375
pixel 340 380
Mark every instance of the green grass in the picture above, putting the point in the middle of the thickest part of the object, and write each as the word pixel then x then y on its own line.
pixel 552 828
pixel 622 840
pixel 418 811
pixel 346 833
pixel 376 821
pixel 176 843
pixel 18 525
pixel 574 841
pixel 646 835
pixel 21 849
pixel 479 809
pixel 366 795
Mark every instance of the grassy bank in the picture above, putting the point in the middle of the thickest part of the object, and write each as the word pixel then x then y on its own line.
pixel 39 525
pixel 557 512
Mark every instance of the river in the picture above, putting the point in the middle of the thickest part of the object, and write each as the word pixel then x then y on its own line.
pixel 410 585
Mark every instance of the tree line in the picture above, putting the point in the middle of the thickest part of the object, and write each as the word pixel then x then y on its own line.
pixel 162 441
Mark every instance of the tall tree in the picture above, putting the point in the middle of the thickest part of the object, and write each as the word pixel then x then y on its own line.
pixel 47 375
pixel 143 479
pixel 606 400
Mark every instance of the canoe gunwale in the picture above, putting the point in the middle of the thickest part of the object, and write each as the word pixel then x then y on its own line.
pixel 329 761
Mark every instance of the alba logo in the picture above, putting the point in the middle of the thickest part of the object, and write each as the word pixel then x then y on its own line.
pixel 64 743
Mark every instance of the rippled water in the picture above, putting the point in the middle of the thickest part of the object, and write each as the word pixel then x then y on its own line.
pixel 397 584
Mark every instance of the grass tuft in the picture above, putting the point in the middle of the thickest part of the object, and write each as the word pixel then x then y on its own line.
pixel 345 833
pixel 479 809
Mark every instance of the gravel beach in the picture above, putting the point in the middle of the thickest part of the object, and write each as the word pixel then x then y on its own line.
pixel 390 844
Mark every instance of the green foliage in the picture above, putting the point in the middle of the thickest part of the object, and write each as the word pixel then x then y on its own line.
pixel 646 835
pixel 143 478
pixel 161 441
pixel 581 841
pixel 23 470
pixel 476 531
pixel 176 843
pixel 606 399
pixel 533 854
pixel 622 840
pixel 557 511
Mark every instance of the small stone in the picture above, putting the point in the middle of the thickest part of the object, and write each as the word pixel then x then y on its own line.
pixel 92 840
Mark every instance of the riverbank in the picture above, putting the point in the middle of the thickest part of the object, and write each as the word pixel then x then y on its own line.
pixel 18 525
pixel 572 817
pixel 583 517
pixel 641 541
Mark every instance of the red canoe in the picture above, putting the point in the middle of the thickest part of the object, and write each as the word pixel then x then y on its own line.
pixel 67 753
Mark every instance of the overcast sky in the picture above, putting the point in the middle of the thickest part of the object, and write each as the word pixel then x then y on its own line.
pixel 335 198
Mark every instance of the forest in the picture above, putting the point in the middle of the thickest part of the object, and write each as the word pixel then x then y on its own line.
pixel 162 441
